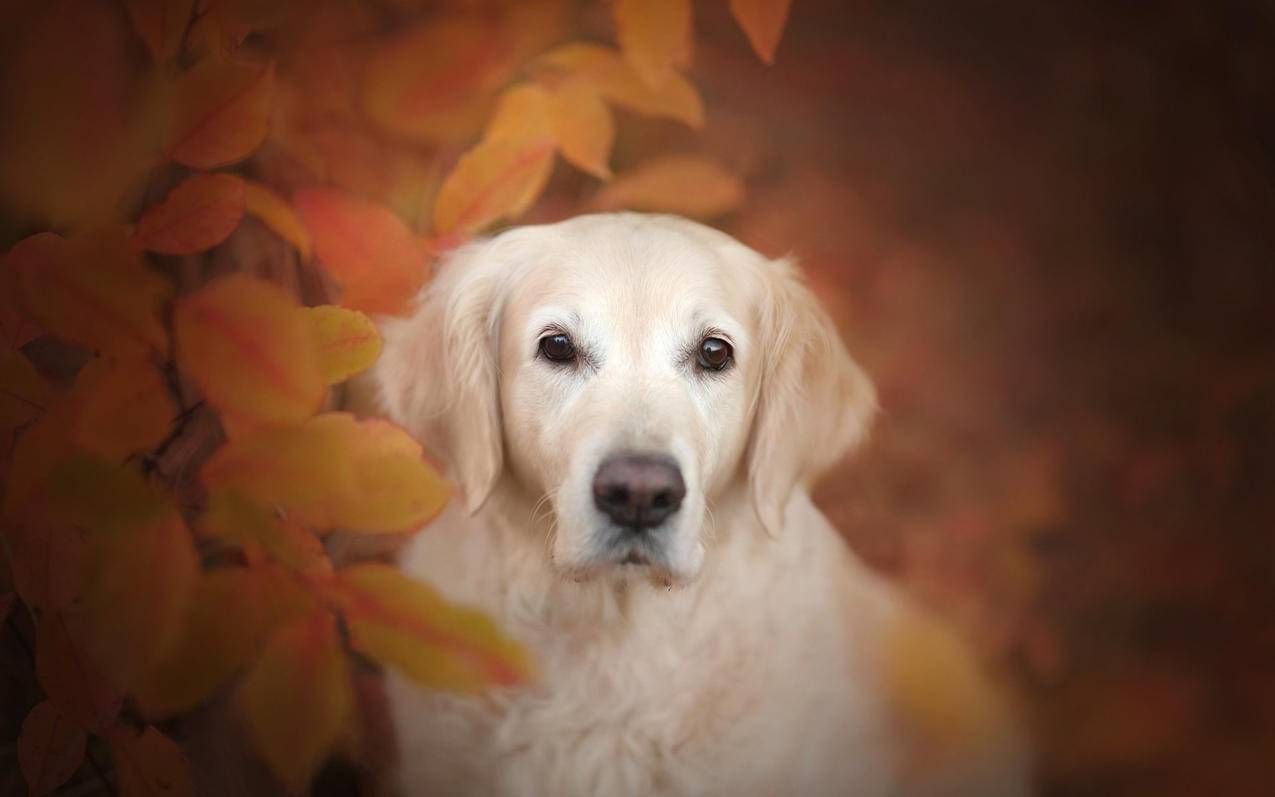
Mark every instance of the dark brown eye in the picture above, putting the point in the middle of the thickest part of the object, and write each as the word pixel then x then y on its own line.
pixel 558 348
pixel 714 354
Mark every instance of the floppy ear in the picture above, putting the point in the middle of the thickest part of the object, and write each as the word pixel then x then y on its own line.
pixel 814 404
pixel 437 375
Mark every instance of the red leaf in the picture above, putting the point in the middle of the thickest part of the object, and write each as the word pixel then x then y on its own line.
pixel 150 765
pixel 250 351
pixel 196 215
pixel 161 24
pixel 71 679
pixel 378 261
pixel 223 112
pixel 763 21
pixel 50 749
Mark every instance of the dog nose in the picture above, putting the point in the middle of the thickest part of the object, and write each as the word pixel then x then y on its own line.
pixel 638 490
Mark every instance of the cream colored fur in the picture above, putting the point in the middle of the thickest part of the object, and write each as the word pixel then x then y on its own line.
pixel 753 657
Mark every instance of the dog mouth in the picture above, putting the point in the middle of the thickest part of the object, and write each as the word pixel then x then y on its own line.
pixel 635 558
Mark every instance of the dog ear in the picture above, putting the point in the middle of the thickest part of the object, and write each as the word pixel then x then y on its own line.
pixel 814 402
pixel 437 375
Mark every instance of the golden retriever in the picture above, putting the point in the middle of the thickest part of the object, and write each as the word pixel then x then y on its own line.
pixel 633 407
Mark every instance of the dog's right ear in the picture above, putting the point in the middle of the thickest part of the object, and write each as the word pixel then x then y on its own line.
pixel 437 374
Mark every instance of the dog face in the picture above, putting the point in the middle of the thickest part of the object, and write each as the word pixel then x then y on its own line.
pixel 628 371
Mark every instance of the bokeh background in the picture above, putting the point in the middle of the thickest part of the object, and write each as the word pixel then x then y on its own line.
pixel 1046 231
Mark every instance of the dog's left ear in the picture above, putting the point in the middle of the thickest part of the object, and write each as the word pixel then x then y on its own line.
pixel 814 403
pixel 437 374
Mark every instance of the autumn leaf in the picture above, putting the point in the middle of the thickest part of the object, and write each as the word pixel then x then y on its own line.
pixel 238 520
pixel 522 113
pixel 611 76
pixel 334 472
pixel 655 36
pixel 139 568
pixel 161 24
pixel 93 290
pixel 23 392
pixel 38 450
pixel 263 203
pixel 46 559
pixel 121 407
pixel 70 677
pixel 763 22
pixel 16 330
pixel 584 127
pixel 378 261
pixel 150 765
pixel 230 615
pixel 196 215
pixel 50 749
pixel 222 113
pixel 680 184
pixel 297 699
pixel 250 352
pixel 347 341
pixel 494 180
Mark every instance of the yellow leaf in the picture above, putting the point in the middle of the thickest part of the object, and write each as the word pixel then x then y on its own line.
pixel 251 353
pixel 406 624
pixel 334 472
pixel 297 699
pixel 263 203
pixel 235 519
pixel 522 113
pixel 93 290
pixel 612 77
pixel 346 341
pixel 655 36
pixel 121 406
pixel 680 184
pixel 583 126
pixel 150 765
pixel 763 22
pixel 495 180
pixel 232 612
pixel 24 394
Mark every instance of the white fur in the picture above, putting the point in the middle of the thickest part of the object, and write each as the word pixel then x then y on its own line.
pixel 748 657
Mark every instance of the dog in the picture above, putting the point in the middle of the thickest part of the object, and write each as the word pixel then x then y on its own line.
pixel 633 408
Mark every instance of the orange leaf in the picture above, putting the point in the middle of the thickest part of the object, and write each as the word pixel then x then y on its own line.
pixel 223 112
pixel 251 353
pixel 235 519
pixel 196 215
pixel 680 184
pixel 50 749
pixel 121 406
pixel 150 765
pixel 92 290
pixel 161 24
pixel 71 679
pixel 23 392
pixel 378 261
pixel 613 78
pixel 39 449
pixel 264 204
pixel 346 341
pixel 494 180
pixel 46 563
pixel 584 127
pixel 522 113
pixel 432 81
pixel 298 699
pixel 406 624
pixel 334 472
pixel 139 569
pixel 763 22
pixel 232 612
pixel 655 36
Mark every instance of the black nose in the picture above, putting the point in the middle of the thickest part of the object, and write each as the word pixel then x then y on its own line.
pixel 638 490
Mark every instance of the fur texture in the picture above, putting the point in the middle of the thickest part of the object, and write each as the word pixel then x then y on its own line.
pixel 748 653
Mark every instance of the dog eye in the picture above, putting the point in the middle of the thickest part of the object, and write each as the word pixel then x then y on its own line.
pixel 557 348
pixel 714 354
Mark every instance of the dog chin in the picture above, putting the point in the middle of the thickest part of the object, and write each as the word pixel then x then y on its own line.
pixel 626 568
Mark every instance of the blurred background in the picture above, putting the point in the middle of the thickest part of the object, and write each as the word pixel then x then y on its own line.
pixel 1045 230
